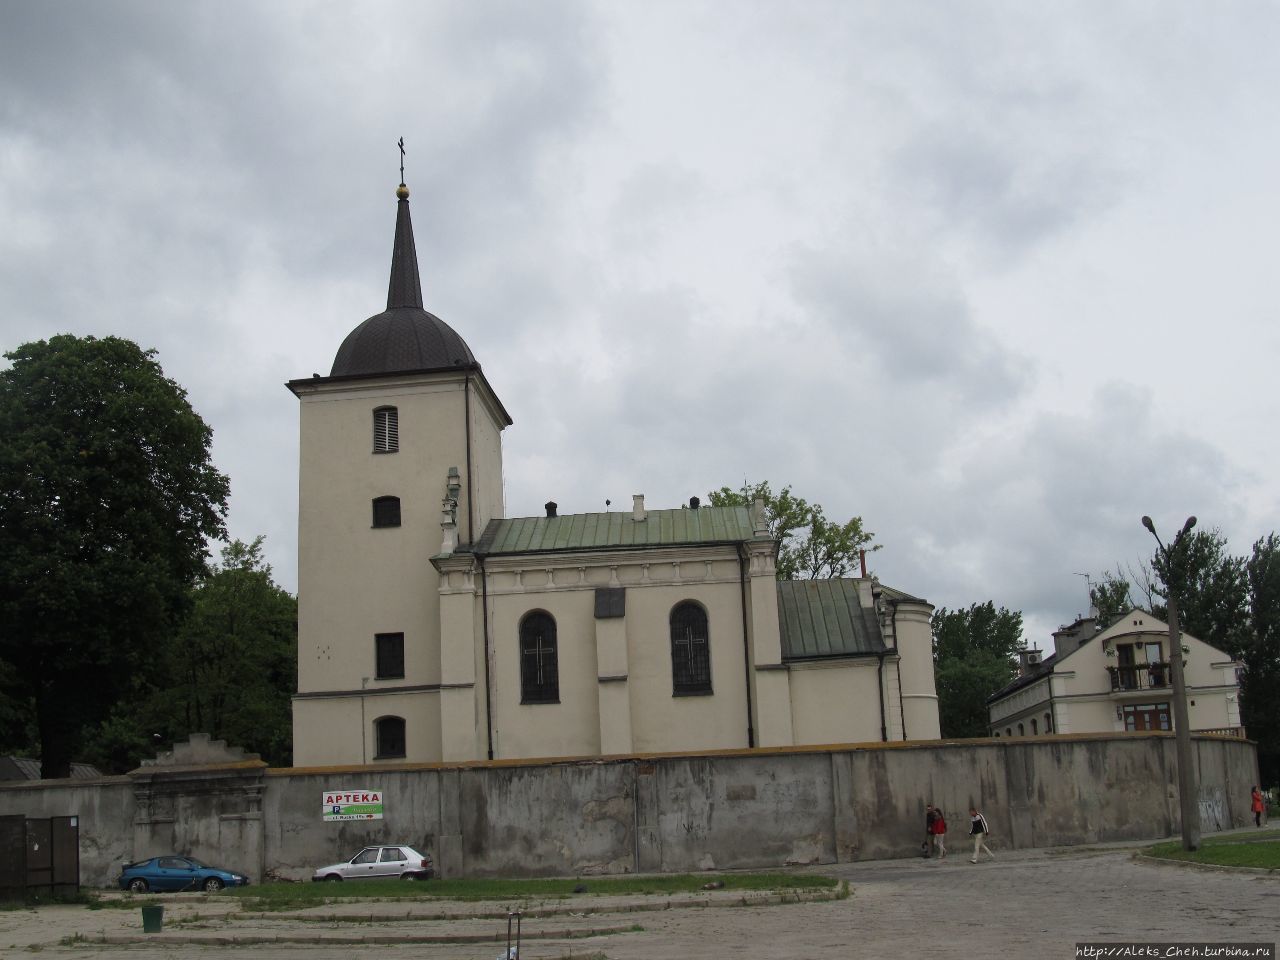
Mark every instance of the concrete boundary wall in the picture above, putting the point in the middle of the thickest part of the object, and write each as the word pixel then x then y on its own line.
pixel 730 809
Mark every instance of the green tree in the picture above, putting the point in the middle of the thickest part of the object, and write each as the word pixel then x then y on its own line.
pixel 1260 678
pixel 1213 589
pixel 1111 597
pixel 974 653
pixel 107 497
pixel 231 672
pixel 811 547
pixel 234 669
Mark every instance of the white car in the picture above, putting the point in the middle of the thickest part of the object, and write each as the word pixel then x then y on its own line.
pixel 385 860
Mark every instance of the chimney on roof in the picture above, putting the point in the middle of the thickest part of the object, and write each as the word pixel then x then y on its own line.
pixel 551 508
pixel 638 511
pixel 694 503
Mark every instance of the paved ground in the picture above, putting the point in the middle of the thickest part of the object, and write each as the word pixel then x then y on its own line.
pixel 1028 904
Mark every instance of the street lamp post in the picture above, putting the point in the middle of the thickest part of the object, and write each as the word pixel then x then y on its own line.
pixel 1188 789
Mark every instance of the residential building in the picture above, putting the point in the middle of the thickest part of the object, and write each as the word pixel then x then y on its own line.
pixel 1116 679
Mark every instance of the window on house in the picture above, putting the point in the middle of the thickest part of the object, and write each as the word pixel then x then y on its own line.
pixel 390 733
pixel 386 511
pixel 1008 732
pixel 1035 727
pixel 1021 731
pixel 389 652
pixel 539 669
pixel 690 650
pixel 386 430
pixel 1048 724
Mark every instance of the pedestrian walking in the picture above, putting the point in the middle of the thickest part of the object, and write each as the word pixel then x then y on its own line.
pixel 978 830
pixel 940 833
pixel 1257 806
pixel 930 838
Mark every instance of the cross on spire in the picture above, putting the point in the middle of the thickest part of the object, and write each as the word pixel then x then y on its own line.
pixel 402 161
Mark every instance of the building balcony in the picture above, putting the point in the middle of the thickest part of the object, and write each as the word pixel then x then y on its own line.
pixel 1139 676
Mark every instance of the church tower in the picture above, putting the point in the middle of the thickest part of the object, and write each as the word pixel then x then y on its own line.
pixel 400 446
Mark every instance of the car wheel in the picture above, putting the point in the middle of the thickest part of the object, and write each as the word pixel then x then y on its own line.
pixel 334 877
pixel 213 885
pixel 137 885
pixel 408 876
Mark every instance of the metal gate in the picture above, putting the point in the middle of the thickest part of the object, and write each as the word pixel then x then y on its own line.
pixel 39 857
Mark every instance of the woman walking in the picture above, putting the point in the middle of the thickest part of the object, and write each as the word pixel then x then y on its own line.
pixel 939 830
pixel 1257 806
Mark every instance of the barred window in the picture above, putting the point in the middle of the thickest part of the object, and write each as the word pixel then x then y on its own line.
pixel 389 652
pixel 690 650
pixel 390 733
pixel 539 669
pixel 386 430
pixel 386 511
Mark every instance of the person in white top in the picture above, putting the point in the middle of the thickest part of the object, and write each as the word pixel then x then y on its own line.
pixel 978 830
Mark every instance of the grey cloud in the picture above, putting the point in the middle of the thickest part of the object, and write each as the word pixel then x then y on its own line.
pixel 910 323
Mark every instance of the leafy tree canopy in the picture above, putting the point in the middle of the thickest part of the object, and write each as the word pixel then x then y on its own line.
pixel 1212 589
pixel 811 547
pixel 107 497
pixel 1111 597
pixel 1261 675
pixel 231 674
pixel 974 656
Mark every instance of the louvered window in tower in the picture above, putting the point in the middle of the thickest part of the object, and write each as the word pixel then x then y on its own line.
pixel 386 430
pixel 690 650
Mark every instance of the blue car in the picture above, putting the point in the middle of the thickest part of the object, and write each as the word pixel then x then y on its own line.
pixel 177 873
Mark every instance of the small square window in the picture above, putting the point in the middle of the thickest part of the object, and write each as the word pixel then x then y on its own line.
pixel 386 512
pixel 390 656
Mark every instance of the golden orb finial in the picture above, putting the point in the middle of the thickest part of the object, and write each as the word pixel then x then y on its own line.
pixel 402 192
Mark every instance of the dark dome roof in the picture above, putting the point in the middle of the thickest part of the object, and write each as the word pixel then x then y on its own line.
pixel 404 338
pixel 400 340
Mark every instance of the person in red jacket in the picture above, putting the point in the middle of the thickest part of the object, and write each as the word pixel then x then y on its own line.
pixel 939 831
pixel 1257 806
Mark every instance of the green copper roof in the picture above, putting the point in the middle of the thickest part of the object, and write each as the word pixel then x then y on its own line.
pixel 602 531
pixel 824 618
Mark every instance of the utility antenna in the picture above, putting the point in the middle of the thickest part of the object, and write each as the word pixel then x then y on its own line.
pixel 401 144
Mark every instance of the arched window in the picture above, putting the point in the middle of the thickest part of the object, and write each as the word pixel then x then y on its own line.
pixel 1048 724
pixel 1008 732
pixel 390 735
pixel 539 670
pixel 386 511
pixel 690 650
pixel 1034 728
pixel 386 430
pixel 1021 731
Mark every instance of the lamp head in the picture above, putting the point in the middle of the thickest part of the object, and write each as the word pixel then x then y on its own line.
pixel 1186 527
pixel 1146 522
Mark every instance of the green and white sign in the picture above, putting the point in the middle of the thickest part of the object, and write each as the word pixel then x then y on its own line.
pixel 352 805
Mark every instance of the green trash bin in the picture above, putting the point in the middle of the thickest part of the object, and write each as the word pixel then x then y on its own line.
pixel 152 919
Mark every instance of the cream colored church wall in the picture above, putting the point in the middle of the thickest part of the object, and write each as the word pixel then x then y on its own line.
pixel 661 721
pixel 836 701
pixel 356 580
pixel 570 727
pixel 657 720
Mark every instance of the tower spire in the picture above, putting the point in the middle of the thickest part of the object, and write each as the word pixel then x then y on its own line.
pixel 405 288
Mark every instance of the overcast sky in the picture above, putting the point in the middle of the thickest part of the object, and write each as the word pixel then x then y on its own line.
pixel 997 277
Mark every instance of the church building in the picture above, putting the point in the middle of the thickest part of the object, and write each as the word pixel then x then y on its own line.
pixel 433 628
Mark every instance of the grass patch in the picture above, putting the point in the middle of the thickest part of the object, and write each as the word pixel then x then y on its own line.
pixel 287 896
pixel 1253 850
pixel 83 897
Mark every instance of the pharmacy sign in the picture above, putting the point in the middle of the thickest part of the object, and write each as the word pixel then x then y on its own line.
pixel 352 805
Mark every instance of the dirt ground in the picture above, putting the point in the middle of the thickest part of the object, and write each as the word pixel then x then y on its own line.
pixel 1029 904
